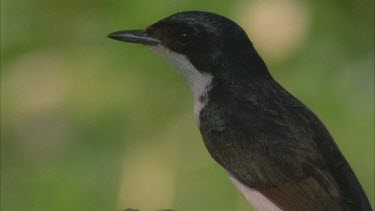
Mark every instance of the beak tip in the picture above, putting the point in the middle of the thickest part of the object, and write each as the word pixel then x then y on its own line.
pixel 111 36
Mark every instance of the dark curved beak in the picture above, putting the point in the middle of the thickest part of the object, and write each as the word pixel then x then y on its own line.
pixel 134 36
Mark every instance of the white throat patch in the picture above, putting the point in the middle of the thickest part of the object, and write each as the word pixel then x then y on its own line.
pixel 199 82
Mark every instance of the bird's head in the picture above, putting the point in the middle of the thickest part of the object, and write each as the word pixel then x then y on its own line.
pixel 204 38
pixel 200 45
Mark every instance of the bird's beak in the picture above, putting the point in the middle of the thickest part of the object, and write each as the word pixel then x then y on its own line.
pixel 134 36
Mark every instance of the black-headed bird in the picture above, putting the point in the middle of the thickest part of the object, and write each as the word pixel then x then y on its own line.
pixel 275 150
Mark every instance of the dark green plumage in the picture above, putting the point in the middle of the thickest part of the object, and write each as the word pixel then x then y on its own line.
pixel 263 136
pixel 271 142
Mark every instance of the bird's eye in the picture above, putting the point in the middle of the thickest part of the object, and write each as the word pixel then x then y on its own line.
pixel 184 37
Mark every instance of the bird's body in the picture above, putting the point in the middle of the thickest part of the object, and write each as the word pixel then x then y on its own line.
pixel 275 150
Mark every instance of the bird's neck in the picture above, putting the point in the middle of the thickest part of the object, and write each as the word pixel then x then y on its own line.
pixel 232 74
pixel 199 82
pixel 243 65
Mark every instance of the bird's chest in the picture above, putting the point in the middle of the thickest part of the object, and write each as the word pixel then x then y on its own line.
pixel 221 135
pixel 228 140
pixel 213 119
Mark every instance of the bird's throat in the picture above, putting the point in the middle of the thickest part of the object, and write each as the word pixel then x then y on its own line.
pixel 199 82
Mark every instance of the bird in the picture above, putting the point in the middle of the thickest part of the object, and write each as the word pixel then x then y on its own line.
pixel 274 149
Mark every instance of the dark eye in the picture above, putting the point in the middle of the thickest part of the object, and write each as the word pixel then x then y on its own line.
pixel 184 37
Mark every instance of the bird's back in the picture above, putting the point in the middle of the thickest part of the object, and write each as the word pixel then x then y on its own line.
pixel 274 144
pixel 353 196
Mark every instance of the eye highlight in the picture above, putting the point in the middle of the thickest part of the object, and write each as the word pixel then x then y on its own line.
pixel 184 37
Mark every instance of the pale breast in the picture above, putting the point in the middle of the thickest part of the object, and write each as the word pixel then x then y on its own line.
pixel 255 198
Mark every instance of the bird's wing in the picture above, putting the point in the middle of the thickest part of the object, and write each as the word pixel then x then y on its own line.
pixel 308 188
pixel 281 150
pixel 353 196
pixel 291 177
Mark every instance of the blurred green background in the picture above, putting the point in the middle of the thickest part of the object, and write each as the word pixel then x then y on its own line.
pixel 88 123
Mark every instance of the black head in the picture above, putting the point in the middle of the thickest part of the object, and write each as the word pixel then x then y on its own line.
pixel 208 40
